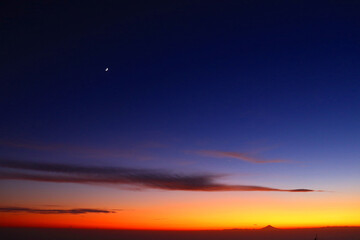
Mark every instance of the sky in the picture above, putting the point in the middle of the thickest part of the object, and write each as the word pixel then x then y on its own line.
pixel 211 115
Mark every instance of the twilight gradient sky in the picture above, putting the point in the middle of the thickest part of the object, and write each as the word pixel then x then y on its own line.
pixel 213 114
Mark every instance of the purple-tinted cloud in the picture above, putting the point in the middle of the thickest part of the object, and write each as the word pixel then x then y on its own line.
pixel 237 155
pixel 54 211
pixel 66 173
pixel 87 152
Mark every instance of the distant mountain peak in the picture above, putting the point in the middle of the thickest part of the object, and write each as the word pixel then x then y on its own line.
pixel 269 227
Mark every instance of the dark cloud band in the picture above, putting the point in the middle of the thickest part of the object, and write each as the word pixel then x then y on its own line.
pixel 53 211
pixel 66 173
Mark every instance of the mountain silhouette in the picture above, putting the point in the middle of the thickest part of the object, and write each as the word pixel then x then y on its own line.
pixel 269 227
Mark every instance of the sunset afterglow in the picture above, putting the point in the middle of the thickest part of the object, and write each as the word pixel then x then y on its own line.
pixel 180 115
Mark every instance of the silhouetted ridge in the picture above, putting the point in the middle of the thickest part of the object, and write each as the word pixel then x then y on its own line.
pixel 269 227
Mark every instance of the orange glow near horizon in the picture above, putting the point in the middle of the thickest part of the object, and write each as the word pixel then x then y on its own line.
pixel 180 115
pixel 211 213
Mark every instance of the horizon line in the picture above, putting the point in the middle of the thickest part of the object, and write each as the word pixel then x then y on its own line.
pixel 175 229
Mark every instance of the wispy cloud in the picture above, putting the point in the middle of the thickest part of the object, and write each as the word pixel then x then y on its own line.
pixel 75 150
pixel 141 178
pixel 238 155
pixel 54 211
pixel 136 151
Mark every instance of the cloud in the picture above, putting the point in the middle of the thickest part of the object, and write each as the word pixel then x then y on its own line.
pixel 237 155
pixel 54 211
pixel 83 151
pixel 140 178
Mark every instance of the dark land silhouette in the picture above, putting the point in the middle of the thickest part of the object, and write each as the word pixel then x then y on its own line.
pixel 267 233
pixel 269 227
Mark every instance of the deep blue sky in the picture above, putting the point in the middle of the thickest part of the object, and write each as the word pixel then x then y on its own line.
pixel 272 79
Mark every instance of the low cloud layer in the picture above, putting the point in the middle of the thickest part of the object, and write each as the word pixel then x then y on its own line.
pixel 53 211
pixel 237 155
pixel 140 178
